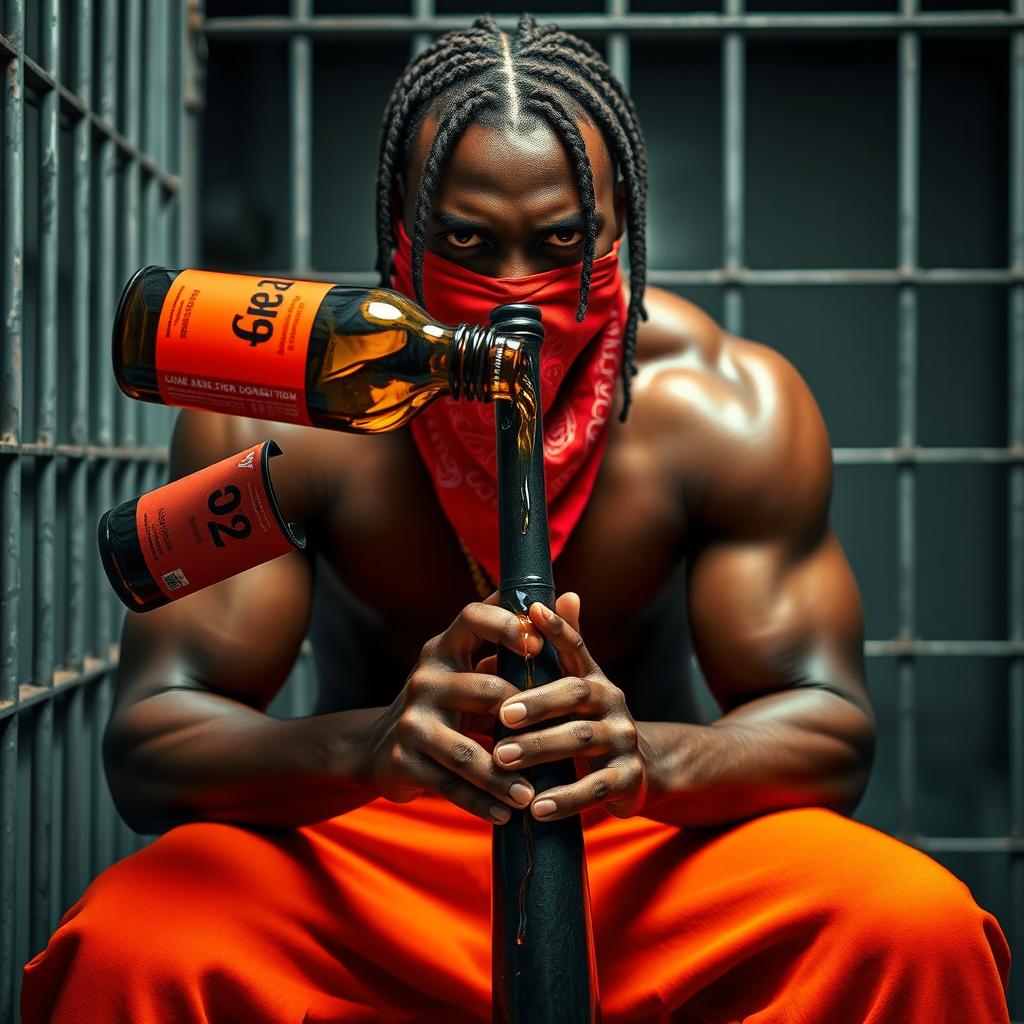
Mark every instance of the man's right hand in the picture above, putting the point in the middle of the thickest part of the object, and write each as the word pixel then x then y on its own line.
pixel 418 745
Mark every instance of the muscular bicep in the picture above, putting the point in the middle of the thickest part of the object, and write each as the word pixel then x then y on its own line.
pixel 238 638
pixel 773 602
pixel 766 617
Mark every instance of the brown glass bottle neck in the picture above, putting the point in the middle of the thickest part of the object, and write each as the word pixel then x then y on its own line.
pixel 482 364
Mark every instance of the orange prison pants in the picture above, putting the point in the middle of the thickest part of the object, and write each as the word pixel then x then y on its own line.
pixel 382 914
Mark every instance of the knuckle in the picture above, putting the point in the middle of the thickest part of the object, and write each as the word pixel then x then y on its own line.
pixel 626 738
pixel 583 733
pixel 395 759
pixel 462 755
pixel 601 789
pixel 535 742
pixel 429 650
pixel 632 776
pixel 469 614
pixel 419 683
pixel 579 689
pixel 579 644
pixel 512 629
pixel 493 690
pixel 407 728
pixel 449 784
pixel 612 697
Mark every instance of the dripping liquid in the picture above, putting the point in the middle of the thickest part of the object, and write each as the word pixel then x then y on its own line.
pixel 527 829
pixel 526 409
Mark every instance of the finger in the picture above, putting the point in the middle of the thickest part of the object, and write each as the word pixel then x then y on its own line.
pixel 571 695
pixel 567 605
pixel 583 737
pixel 616 786
pixel 465 757
pixel 433 686
pixel 443 783
pixel 572 651
pixel 478 623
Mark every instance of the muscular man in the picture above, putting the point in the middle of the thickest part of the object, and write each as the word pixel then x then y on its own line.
pixel 336 867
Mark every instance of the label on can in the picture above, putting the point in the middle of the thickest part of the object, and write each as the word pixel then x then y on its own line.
pixel 237 344
pixel 214 523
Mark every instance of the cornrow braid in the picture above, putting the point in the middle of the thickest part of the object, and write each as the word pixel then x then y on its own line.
pixel 636 190
pixel 478 72
pixel 555 113
pixel 451 126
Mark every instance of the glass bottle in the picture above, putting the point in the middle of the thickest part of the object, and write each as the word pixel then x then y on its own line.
pixel 362 360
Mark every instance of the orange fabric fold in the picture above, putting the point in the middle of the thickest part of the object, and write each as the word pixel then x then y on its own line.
pixel 383 914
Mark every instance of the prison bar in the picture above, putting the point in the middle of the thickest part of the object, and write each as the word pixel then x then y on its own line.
pixel 1015 396
pixel 138 164
pixel 734 275
pixel 636 25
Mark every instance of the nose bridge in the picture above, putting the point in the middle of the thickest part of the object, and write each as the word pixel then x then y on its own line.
pixel 517 256
pixel 514 263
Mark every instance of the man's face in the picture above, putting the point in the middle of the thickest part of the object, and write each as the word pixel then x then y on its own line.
pixel 507 204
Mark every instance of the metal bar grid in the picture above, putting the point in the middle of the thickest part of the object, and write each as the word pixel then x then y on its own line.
pixel 80 689
pixel 106 181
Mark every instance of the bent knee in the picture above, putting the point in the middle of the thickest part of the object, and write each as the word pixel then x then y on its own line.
pixel 884 895
pixel 158 901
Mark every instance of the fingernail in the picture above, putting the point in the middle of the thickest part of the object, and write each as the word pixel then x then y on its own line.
pixel 546 612
pixel 520 792
pixel 509 752
pixel 542 808
pixel 514 713
pixel 499 814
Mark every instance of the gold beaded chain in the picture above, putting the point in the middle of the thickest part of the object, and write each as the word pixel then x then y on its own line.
pixel 483 583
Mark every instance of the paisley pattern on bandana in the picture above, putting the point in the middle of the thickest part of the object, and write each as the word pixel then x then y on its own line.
pixel 580 366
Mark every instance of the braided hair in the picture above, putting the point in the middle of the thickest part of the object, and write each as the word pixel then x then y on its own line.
pixel 480 74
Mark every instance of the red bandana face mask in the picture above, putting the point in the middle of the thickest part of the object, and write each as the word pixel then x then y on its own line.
pixel 580 365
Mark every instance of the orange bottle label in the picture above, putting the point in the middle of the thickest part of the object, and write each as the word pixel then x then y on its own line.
pixel 213 524
pixel 237 344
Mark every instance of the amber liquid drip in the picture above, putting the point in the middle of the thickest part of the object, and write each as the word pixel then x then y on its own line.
pixel 526 409
pixel 527 828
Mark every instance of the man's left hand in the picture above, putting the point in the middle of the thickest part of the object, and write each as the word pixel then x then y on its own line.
pixel 601 733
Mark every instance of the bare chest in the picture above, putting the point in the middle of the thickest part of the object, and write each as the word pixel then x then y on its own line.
pixel 391 573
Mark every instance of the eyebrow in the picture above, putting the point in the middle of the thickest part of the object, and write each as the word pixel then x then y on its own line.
pixel 573 222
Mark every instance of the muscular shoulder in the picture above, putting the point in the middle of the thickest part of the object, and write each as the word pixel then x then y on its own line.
pixel 735 420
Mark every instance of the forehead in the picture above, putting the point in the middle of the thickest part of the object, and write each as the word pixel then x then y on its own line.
pixel 524 165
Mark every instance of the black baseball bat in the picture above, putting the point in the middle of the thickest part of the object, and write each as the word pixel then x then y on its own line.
pixel 542 956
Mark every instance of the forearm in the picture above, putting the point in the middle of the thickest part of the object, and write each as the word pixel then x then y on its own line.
pixel 797 748
pixel 188 755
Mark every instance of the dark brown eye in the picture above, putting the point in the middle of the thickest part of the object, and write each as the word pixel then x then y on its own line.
pixel 463 239
pixel 565 238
